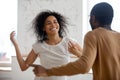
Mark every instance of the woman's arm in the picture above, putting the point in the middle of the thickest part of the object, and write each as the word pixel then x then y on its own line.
pixel 24 64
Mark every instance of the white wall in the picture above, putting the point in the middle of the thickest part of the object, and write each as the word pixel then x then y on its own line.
pixel 17 74
pixel 28 9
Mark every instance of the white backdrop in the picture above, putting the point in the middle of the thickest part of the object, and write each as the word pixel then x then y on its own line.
pixel 28 9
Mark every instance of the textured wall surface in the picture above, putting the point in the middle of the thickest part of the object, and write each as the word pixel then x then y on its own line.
pixel 28 9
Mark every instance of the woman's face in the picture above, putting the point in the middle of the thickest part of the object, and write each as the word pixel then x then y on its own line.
pixel 51 25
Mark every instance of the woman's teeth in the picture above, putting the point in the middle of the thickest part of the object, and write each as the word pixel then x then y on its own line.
pixel 53 29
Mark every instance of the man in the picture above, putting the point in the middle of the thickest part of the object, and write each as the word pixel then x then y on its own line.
pixel 100 50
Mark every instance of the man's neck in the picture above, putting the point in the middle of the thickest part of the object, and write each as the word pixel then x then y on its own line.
pixel 108 27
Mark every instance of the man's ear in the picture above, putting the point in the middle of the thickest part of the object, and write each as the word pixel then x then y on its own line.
pixel 93 18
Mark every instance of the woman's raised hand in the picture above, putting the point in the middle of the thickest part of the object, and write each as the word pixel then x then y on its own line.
pixel 12 37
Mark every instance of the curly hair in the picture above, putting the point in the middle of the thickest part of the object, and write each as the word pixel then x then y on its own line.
pixel 39 21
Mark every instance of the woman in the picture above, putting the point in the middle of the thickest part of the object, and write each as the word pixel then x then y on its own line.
pixel 52 47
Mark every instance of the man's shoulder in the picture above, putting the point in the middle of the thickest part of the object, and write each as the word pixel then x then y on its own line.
pixel 95 31
pixel 92 34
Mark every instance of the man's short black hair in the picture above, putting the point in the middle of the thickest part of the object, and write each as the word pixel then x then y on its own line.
pixel 103 13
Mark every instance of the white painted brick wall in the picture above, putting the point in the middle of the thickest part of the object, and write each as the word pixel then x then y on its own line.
pixel 28 9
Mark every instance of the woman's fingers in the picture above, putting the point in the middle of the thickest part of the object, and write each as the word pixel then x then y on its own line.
pixel 12 35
